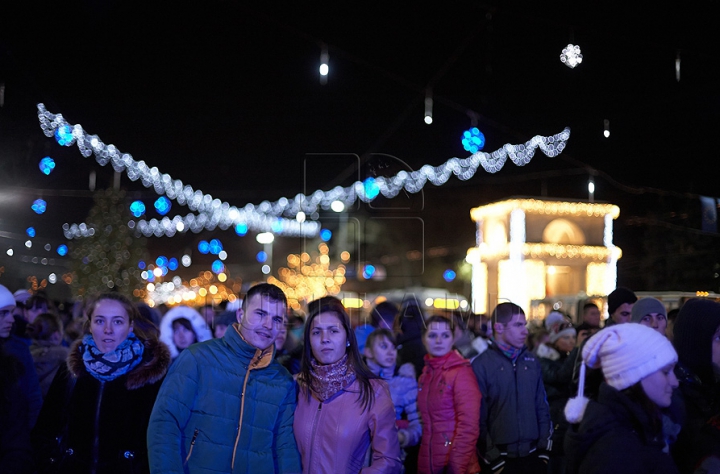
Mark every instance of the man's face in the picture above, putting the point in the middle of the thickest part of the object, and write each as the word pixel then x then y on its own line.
pixel 6 320
pixel 261 321
pixel 622 314
pixel 514 332
pixel 592 316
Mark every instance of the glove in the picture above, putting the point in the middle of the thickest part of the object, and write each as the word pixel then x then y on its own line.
pixel 543 455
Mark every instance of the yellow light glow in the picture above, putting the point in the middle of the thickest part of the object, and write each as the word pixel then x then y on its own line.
pixel 537 206
pixel 222 277
pixel 445 303
pixel 544 250
pixel 429 302
pixel 202 292
pixel 595 278
pixel 535 278
pixel 345 256
pixel 352 302
pixel 480 287
pixel 213 289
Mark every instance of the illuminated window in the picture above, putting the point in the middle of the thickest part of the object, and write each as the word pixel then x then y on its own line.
pixel 562 231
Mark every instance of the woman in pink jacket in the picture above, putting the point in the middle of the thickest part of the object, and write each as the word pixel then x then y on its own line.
pixel 449 404
pixel 345 418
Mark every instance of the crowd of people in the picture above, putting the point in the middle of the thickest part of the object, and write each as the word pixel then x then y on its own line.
pixel 115 386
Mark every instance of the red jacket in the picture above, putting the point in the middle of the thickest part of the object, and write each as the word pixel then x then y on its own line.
pixel 449 404
pixel 337 437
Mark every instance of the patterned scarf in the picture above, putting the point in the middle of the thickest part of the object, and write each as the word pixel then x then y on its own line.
pixel 327 380
pixel 510 352
pixel 111 365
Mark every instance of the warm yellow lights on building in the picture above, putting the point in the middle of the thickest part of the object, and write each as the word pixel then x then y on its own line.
pixel 353 302
pixel 595 278
pixel 445 303
pixel 552 208
pixel 545 250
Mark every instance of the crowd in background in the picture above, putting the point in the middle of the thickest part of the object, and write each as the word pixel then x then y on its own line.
pixel 402 390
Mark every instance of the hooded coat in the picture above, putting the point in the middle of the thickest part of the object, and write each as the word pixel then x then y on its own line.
pixel 616 436
pixel 106 421
pixel 449 403
pixel 202 331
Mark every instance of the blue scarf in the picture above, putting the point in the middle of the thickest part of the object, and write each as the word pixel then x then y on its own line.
pixel 111 365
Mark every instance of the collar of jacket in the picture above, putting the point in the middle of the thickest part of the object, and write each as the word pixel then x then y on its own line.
pixel 155 363
pixel 253 357
pixel 450 359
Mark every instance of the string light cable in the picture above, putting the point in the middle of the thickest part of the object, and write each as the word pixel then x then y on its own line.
pixel 214 213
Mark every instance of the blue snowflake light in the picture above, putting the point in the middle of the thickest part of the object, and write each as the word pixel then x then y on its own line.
pixel 217 267
pixel 141 265
pixel 261 256
pixel 368 271
pixel 241 228
pixel 215 246
pixel 473 140
pixel 161 261
pixel 371 188
pixel 172 264
pixel 137 208
pixel 325 235
pixel 30 232
pixel 62 250
pixel 163 205
pixel 449 275
pixel 47 164
pixel 39 206
pixel 204 247
pixel 64 135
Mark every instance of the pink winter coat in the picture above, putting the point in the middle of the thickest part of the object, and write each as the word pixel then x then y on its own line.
pixel 449 404
pixel 337 437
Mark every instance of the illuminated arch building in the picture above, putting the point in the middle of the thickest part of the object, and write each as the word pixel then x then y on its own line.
pixel 529 248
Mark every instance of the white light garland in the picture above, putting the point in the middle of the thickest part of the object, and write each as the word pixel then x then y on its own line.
pixel 571 56
pixel 265 216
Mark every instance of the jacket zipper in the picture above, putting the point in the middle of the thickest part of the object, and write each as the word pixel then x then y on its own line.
pixel 192 445
pixel 242 408
pixel 312 433
pixel 96 429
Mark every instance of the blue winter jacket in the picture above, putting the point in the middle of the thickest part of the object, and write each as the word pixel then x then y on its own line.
pixel 227 407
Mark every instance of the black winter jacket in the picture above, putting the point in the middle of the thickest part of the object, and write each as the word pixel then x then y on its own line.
pixel 616 436
pixel 107 422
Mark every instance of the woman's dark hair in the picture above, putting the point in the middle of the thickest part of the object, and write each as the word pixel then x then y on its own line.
pixel 44 326
pixel 409 322
pixel 380 333
pixel 330 304
pixel 39 300
pixel 184 322
pixel 637 394
pixel 142 327
pixel 437 319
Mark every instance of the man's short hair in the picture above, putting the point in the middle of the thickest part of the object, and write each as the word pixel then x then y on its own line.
pixel 618 297
pixel 267 290
pixel 504 312
pixel 587 306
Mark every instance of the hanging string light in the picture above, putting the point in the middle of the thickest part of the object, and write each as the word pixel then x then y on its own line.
pixel 324 66
pixel 428 106
pixel 677 67
pixel 606 128
pixel 267 216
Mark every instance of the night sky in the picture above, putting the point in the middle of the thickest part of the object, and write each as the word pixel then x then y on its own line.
pixel 226 97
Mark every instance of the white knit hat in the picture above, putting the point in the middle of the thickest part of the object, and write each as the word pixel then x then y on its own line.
pixel 6 298
pixel 627 353
pixel 553 318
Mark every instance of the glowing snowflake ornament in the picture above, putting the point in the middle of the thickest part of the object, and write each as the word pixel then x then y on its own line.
pixel 571 56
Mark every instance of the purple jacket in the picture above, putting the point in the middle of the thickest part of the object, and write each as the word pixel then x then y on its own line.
pixel 337 437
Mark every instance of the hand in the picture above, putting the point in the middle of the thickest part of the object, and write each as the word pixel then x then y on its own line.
pixel 581 336
pixel 402 437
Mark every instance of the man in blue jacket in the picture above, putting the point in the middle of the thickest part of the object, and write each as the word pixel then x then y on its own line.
pixel 515 427
pixel 226 405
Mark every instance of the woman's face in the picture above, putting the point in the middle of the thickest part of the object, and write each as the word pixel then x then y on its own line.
pixel 110 325
pixel 183 337
pixel 659 385
pixel 281 338
pixel 328 339
pixel 383 352
pixel 565 343
pixel 438 339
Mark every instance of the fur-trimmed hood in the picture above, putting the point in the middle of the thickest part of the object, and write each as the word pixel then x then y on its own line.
pixel 154 365
pixel 202 331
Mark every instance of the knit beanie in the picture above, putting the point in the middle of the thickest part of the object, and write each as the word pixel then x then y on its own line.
pixel 553 318
pixel 695 325
pixel 619 297
pixel 626 353
pixel 645 306
pixel 6 298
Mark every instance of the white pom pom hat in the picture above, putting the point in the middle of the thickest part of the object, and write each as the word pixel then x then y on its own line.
pixel 626 353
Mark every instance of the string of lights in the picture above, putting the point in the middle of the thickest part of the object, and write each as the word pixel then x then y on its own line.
pixel 267 216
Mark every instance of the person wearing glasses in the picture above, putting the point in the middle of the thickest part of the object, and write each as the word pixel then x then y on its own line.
pixel 226 404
